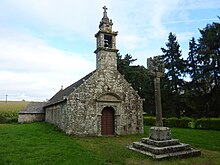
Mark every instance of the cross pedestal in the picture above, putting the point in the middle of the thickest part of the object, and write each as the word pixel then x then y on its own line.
pixel 160 133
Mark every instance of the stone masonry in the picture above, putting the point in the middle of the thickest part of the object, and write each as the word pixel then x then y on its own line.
pixel 79 109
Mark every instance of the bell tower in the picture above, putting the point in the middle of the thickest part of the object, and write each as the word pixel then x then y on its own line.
pixel 106 44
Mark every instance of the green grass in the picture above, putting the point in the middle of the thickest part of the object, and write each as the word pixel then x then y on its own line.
pixel 206 139
pixel 112 149
pixel 41 143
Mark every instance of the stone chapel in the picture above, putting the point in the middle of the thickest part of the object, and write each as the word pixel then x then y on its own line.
pixel 102 102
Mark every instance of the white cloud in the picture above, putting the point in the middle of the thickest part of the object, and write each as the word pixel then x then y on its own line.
pixel 130 42
pixel 67 17
pixel 29 65
pixel 199 4
pixel 140 22
pixel 185 36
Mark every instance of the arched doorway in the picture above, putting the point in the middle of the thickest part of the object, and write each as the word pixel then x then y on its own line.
pixel 107 121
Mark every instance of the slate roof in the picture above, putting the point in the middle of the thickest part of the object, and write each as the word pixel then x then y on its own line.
pixel 61 95
pixel 33 107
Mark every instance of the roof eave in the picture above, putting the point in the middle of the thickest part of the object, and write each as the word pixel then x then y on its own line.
pixel 58 102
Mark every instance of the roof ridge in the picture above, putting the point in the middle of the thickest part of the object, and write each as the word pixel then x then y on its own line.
pixel 62 93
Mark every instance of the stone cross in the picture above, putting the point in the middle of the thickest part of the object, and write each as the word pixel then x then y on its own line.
pixel 105 11
pixel 156 68
pixel 105 8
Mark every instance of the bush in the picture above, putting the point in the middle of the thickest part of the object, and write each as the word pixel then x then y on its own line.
pixel 183 122
pixel 8 116
pixel 171 122
pixel 186 122
pixel 192 124
pixel 149 120
pixel 208 123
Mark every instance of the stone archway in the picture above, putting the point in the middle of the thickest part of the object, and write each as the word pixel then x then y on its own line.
pixel 107 121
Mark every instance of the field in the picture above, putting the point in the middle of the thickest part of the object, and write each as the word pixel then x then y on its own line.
pixel 41 143
pixel 9 110
pixel 13 106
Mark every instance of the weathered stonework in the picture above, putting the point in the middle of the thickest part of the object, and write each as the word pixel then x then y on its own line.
pixel 160 133
pixel 79 109
pixel 28 118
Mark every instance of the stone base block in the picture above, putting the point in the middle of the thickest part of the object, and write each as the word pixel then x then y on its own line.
pixel 160 133
pixel 161 150
pixel 163 143
pixel 181 154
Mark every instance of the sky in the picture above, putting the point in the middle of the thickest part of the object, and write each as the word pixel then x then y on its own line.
pixel 48 44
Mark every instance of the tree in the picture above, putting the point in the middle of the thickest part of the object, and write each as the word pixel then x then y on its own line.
pixel 209 59
pixel 140 80
pixel 192 66
pixel 123 64
pixel 173 82
pixel 202 93
pixel 174 64
pixel 209 55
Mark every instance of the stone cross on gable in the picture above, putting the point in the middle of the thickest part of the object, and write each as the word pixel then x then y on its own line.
pixel 156 68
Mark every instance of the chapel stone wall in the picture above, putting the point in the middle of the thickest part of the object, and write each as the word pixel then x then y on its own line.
pixel 56 115
pixel 84 107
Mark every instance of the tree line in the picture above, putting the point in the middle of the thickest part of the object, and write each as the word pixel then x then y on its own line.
pixel 191 87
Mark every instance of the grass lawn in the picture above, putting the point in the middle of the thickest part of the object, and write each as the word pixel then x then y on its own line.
pixel 41 143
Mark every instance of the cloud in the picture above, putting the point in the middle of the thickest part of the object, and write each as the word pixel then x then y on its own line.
pixel 140 22
pixel 191 20
pixel 66 17
pixel 139 19
pixel 199 4
pixel 32 65
pixel 29 65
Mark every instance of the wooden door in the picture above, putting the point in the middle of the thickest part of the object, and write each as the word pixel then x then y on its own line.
pixel 107 121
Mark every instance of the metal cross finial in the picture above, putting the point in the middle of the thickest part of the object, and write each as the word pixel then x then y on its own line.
pixel 105 13
pixel 105 8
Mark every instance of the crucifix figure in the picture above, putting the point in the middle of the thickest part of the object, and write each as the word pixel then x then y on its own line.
pixel 156 68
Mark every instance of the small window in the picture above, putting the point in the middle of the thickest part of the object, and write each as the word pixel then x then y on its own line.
pixel 107 41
